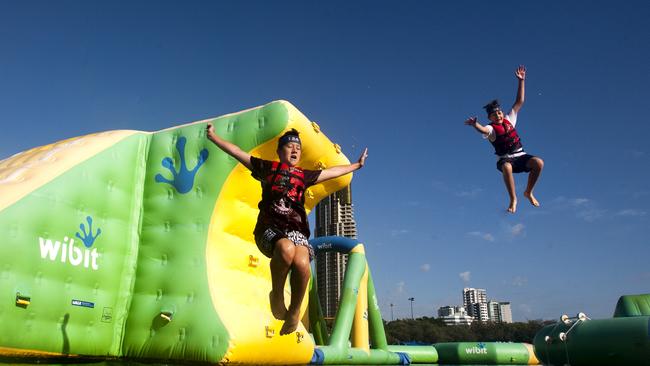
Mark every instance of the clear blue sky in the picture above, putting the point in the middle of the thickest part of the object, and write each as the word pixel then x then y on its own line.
pixel 399 77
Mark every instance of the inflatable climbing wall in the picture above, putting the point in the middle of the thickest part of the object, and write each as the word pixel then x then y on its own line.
pixel 139 245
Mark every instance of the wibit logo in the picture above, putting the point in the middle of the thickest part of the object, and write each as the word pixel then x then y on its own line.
pixel 67 252
pixel 480 348
pixel 183 180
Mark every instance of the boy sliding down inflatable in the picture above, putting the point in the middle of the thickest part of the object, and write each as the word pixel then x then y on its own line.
pixel 507 144
pixel 282 229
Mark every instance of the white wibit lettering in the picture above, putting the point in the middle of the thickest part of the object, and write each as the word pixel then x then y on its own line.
pixel 67 252
pixel 476 350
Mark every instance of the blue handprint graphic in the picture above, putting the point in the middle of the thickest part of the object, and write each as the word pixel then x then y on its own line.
pixel 88 239
pixel 183 180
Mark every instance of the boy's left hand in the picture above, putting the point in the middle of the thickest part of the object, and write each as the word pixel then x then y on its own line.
pixel 520 73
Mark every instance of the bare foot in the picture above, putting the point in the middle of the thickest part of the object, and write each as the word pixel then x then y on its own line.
pixel 513 206
pixel 290 323
pixel 531 198
pixel 277 305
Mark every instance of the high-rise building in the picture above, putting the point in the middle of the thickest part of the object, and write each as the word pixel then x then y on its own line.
pixel 494 311
pixel 334 216
pixel 499 312
pixel 506 312
pixel 475 301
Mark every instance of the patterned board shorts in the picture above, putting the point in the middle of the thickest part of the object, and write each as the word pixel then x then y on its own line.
pixel 267 239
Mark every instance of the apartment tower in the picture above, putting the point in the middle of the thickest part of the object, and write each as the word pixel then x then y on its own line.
pixel 334 216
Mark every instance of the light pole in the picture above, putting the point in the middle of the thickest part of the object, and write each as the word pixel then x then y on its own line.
pixel 391 312
pixel 411 299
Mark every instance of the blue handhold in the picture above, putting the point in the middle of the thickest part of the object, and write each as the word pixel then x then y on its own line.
pixel 183 179
pixel 88 239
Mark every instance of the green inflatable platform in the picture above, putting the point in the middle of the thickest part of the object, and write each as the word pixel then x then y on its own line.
pixel 580 341
pixel 485 353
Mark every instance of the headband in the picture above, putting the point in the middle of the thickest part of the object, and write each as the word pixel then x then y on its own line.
pixel 492 108
pixel 289 138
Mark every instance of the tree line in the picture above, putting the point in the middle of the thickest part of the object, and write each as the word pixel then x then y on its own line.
pixel 430 330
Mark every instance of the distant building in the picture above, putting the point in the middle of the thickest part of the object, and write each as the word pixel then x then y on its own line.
pixel 473 295
pixel 457 320
pixel 475 301
pixel 334 216
pixel 479 311
pixel 446 311
pixel 454 315
pixel 494 311
pixel 506 312
pixel 499 312
pixel 451 310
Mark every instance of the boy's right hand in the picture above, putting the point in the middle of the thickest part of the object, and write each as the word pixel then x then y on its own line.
pixel 471 121
pixel 209 129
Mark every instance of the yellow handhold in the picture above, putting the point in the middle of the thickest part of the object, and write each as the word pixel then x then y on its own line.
pixel 166 315
pixel 337 147
pixel 22 301
pixel 320 165
pixel 315 126
pixel 299 337
pixel 309 193
pixel 270 331
pixel 253 261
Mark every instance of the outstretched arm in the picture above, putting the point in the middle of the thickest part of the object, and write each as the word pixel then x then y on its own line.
pixel 520 73
pixel 228 147
pixel 473 121
pixel 337 171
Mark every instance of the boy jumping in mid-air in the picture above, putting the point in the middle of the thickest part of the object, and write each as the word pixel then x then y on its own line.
pixel 282 229
pixel 507 144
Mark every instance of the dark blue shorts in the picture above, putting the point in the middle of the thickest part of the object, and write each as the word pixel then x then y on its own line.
pixel 519 164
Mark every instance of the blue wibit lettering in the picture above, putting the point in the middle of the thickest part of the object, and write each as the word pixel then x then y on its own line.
pixel 183 180
pixel 88 239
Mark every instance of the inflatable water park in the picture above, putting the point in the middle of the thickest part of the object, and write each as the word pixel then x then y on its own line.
pixel 139 246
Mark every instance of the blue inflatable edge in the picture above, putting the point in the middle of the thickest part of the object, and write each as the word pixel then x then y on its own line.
pixel 317 358
pixel 333 244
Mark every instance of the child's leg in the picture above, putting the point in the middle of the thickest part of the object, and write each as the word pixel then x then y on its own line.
pixel 535 165
pixel 283 256
pixel 509 180
pixel 300 274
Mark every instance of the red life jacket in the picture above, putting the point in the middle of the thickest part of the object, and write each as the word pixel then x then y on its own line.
pixel 287 181
pixel 506 140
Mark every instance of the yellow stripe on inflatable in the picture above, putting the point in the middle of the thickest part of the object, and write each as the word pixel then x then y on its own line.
pixel 28 353
pixel 23 173
pixel 360 334
pixel 239 275
pixel 532 359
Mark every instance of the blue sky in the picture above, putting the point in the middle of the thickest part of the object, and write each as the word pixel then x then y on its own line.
pixel 399 77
